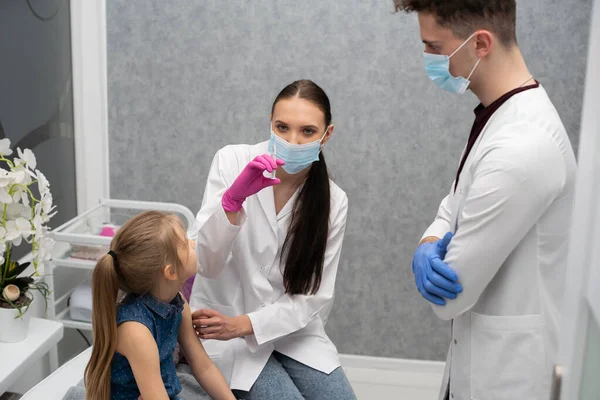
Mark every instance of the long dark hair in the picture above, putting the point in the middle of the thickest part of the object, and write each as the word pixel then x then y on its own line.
pixel 306 239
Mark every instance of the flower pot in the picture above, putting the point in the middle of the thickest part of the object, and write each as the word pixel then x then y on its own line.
pixel 12 327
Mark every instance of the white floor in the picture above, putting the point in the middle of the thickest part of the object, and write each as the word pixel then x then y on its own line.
pixel 389 379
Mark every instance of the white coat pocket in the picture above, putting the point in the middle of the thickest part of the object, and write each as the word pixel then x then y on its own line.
pixel 225 310
pixel 508 357
pixel 219 351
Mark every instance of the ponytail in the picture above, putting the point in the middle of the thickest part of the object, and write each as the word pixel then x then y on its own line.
pixel 105 288
pixel 306 240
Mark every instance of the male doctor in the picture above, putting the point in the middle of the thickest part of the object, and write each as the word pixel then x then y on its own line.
pixel 498 270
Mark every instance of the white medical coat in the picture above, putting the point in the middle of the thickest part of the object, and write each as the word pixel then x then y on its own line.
pixel 240 273
pixel 511 216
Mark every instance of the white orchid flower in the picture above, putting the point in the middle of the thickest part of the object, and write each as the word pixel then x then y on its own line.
pixel 5 147
pixel 25 211
pixel 17 191
pixel 47 217
pixel 13 211
pixel 12 177
pixel 21 198
pixel 5 198
pixel 44 209
pixel 24 216
pixel 47 204
pixel 43 184
pixel 28 157
pixel 45 250
pixel 38 223
pixel 2 248
pixel 25 199
pixel 19 176
pixel 26 173
pixel 5 178
pixel 17 230
pixel 39 230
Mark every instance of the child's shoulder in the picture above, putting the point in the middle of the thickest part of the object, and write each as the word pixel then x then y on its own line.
pixel 133 308
pixel 143 308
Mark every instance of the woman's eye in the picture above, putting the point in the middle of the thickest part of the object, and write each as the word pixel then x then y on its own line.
pixel 282 128
pixel 309 132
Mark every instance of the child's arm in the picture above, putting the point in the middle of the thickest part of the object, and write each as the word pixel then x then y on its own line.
pixel 136 342
pixel 204 370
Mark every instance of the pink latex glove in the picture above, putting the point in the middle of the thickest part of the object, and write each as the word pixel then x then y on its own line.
pixel 250 182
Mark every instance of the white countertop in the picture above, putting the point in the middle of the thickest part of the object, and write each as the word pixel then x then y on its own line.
pixel 17 358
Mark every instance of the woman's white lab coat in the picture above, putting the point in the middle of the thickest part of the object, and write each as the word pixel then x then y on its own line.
pixel 511 216
pixel 240 273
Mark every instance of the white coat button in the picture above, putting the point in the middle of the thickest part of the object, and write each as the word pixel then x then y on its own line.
pixel 455 341
pixel 262 305
pixel 262 269
pixel 452 395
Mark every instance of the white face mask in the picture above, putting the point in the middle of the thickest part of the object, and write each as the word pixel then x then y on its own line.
pixel 297 157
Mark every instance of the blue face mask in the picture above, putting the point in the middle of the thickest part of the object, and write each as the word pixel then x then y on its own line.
pixel 296 156
pixel 437 67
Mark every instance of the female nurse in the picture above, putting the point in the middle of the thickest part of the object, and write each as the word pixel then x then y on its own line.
pixel 269 236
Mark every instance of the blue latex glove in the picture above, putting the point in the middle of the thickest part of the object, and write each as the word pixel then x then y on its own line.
pixel 435 280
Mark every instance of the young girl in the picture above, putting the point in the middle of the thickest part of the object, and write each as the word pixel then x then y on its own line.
pixel 134 339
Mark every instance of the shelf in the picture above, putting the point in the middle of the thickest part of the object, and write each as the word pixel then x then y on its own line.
pixel 85 236
pixel 74 263
pixel 63 317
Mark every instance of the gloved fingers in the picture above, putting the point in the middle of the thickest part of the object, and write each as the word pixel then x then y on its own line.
pixel 442 268
pixel 270 161
pixel 428 296
pixel 442 245
pixel 255 167
pixel 438 291
pixel 431 288
pixel 442 282
pixel 273 162
pixel 432 298
pixel 263 163
pixel 418 278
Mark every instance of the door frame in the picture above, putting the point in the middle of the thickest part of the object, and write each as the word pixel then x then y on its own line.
pixel 90 101
pixel 585 228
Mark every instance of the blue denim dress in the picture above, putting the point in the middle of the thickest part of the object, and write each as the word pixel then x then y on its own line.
pixel 163 320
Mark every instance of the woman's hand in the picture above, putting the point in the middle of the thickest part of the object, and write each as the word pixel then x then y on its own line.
pixel 211 324
pixel 250 181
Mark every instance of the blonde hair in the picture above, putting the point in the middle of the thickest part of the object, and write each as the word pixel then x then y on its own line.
pixel 142 247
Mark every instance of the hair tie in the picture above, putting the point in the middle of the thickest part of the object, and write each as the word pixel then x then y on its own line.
pixel 113 255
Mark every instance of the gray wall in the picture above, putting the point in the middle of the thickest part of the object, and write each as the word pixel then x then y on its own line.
pixel 188 77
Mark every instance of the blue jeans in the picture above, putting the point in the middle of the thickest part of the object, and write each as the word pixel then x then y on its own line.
pixel 286 379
